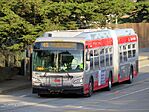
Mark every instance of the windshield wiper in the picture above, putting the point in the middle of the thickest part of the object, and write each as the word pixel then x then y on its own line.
pixel 69 75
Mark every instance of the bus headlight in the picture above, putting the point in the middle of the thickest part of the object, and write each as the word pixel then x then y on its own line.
pixel 35 82
pixel 78 81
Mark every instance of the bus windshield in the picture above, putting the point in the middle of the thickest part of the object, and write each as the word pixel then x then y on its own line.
pixel 58 61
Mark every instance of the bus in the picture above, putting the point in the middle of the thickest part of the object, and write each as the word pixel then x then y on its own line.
pixel 82 62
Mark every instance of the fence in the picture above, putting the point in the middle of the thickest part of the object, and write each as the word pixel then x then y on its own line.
pixel 142 29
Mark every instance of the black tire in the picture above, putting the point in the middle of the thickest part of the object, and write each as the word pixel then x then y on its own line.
pixel 89 94
pixel 109 83
pixel 41 95
pixel 130 76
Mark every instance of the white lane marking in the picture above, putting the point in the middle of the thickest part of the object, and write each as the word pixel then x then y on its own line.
pixel 129 94
pixel 143 66
pixel 103 109
pixel 73 106
pixel 68 107
pixel 121 90
pixel 22 96
pixel 25 95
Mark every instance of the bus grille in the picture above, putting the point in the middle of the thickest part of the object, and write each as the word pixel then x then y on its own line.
pixel 56 81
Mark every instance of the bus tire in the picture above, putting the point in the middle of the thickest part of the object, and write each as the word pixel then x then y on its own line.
pixel 90 91
pixel 109 83
pixel 41 95
pixel 130 76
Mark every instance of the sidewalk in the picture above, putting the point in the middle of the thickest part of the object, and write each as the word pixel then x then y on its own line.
pixel 16 83
pixel 21 82
pixel 143 57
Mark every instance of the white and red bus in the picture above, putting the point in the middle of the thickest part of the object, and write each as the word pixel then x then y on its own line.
pixel 83 61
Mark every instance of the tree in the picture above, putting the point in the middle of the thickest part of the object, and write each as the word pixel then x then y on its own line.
pixel 114 8
pixel 21 21
pixel 14 29
pixel 29 10
pixel 141 13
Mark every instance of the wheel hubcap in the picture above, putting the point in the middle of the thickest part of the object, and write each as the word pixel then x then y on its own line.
pixel 90 89
pixel 130 77
pixel 110 83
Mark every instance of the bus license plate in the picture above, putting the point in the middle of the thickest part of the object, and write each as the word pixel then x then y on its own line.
pixel 56 82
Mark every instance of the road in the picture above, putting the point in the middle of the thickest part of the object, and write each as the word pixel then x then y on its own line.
pixel 122 98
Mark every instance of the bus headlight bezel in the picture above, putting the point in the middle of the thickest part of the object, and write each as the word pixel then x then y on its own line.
pixel 78 81
pixel 35 82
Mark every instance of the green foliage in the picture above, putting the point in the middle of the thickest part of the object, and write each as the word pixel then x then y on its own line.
pixel 22 21
pixel 141 13
pixel 14 29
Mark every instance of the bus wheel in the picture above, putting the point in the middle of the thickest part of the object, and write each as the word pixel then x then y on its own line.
pixel 41 95
pixel 90 92
pixel 109 83
pixel 130 76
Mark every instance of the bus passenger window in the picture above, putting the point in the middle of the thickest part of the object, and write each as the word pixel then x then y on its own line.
pixel 106 50
pixel 101 51
pixel 121 58
pixel 129 46
pixel 111 60
pixel 91 59
pixel 133 45
pixel 120 48
pixel 96 53
pixel 110 50
pixel 96 58
pixel 124 47
pixel 129 54
pixel 107 60
pixel 102 62
pixel 134 53
pixel 125 56
pixel 91 53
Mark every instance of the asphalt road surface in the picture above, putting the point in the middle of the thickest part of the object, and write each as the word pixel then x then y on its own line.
pixel 122 98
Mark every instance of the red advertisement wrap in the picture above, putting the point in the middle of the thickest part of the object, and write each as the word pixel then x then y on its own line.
pixel 96 87
pixel 99 43
pixel 127 39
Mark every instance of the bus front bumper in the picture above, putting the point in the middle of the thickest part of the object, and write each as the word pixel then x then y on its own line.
pixel 58 90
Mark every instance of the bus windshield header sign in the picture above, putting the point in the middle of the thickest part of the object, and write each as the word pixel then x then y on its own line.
pixel 51 45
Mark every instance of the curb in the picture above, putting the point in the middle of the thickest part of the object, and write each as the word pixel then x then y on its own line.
pixel 144 58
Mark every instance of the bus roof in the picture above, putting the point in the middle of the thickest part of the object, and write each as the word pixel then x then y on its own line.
pixel 68 39
pixel 83 35
pixel 124 32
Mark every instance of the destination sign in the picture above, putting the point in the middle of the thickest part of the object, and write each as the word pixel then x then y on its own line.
pixel 52 45
pixel 63 45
